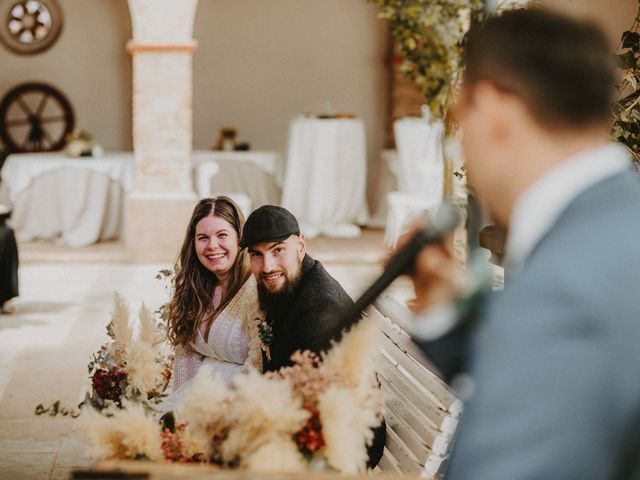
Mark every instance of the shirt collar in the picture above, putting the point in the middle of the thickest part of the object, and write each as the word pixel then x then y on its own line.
pixel 539 207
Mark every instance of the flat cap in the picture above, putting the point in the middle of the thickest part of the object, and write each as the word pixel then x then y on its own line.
pixel 268 223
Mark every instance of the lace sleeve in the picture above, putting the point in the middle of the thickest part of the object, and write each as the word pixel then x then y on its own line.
pixel 185 366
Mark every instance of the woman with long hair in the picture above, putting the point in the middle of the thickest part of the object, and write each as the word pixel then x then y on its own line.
pixel 214 311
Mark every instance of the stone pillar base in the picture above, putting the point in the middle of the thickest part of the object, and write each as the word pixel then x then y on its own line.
pixel 155 225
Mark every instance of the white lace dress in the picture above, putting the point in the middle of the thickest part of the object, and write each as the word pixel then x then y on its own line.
pixel 231 347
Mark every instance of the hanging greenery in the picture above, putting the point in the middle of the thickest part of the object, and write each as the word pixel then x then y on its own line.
pixel 626 116
pixel 430 35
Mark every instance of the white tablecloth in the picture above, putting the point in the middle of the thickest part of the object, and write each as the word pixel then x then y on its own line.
pixel 80 201
pixel 20 169
pixel 420 159
pixel 326 174
pixel 75 201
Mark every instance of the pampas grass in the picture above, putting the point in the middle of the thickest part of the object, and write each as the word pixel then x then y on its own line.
pixel 279 455
pixel 142 358
pixel 353 358
pixel 128 433
pixel 346 428
pixel 350 410
pixel 205 409
pixel 120 326
pixel 143 366
pixel 147 331
pixel 264 410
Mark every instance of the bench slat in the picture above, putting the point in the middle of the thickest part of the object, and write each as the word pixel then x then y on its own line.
pixel 400 338
pixel 433 383
pixel 387 463
pixel 421 411
pixel 406 461
pixel 417 445
pixel 424 381
pixel 419 437
pixel 395 403
pixel 432 436
pixel 417 375
pixel 440 418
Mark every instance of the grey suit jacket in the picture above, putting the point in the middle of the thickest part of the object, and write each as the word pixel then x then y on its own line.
pixel 555 358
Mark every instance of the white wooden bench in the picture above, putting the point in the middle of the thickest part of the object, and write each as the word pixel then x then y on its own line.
pixel 422 412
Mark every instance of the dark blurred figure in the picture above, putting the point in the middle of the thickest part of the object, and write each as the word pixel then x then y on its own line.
pixel 8 263
pixel 552 362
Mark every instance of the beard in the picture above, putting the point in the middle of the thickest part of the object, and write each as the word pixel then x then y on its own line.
pixel 270 301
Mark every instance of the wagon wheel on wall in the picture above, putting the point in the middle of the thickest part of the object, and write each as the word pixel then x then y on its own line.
pixel 29 26
pixel 35 117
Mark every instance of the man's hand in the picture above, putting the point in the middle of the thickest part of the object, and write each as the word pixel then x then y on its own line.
pixel 437 276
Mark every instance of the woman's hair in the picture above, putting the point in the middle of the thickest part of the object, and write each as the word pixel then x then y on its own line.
pixel 193 284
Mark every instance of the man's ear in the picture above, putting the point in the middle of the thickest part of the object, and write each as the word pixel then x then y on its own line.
pixel 501 109
pixel 301 246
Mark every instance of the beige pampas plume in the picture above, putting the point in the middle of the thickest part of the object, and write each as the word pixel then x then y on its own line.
pixel 147 331
pixel 126 435
pixel 143 366
pixel 281 455
pixel 354 357
pixel 120 326
pixel 264 409
pixel 346 428
pixel 205 410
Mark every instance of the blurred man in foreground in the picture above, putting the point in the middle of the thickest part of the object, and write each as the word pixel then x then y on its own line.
pixel 554 359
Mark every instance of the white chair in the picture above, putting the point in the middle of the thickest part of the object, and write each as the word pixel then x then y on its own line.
pixel 419 169
pixel 242 200
pixel 402 210
pixel 204 173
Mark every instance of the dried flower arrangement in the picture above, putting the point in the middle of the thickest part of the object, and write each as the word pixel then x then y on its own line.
pixel 320 411
pixel 129 367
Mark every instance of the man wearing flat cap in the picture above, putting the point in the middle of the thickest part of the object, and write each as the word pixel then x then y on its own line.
pixel 300 299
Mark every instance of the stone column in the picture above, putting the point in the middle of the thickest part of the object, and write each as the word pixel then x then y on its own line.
pixel 162 47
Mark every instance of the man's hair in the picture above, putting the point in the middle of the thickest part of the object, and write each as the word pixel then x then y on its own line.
pixel 561 68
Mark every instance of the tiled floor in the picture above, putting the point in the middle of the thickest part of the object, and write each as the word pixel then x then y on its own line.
pixel 61 316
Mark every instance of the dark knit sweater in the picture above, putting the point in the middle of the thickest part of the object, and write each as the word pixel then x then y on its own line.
pixel 310 318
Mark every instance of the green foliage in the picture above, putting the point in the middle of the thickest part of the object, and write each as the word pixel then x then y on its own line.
pixel 626 116
pixel 430 35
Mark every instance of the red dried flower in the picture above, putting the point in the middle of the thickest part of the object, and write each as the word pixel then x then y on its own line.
pixel 173 446
pixel 309 438
pixel 108 383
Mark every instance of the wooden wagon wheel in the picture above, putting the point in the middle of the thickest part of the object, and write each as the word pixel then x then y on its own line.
pixel 35 117
pixel 29 26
